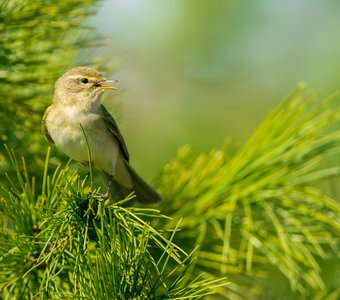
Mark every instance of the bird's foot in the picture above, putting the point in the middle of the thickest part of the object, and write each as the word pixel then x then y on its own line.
pixel 104 196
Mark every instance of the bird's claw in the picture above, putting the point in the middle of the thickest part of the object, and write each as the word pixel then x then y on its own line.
pixel 105 196
pixel 102 196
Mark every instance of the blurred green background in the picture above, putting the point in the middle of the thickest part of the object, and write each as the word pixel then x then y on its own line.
pixel 195 72
pixel 192 72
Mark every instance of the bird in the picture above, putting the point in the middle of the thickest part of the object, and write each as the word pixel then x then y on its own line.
pixel 81 127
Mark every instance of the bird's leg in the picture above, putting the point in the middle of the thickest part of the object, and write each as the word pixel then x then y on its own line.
pixel 109 186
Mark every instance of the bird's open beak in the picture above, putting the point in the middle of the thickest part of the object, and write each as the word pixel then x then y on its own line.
pixel 107 88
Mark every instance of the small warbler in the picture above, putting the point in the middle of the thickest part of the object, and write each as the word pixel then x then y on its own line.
pixel 77 123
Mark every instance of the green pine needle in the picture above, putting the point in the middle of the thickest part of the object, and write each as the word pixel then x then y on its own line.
pixel 260 206
pixel 66 243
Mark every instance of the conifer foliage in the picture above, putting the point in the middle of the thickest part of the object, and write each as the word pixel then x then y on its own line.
pixel 251 223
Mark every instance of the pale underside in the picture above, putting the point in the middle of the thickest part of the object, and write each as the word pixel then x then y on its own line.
pixel 68 129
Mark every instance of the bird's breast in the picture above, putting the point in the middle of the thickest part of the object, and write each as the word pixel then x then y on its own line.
pixel 83 135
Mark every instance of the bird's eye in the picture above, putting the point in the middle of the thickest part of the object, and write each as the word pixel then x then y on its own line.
pixel 84 80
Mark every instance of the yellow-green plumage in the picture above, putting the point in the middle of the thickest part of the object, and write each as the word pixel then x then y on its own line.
pixel 76 110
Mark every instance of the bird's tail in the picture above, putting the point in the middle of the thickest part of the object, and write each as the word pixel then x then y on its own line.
pixel 144 192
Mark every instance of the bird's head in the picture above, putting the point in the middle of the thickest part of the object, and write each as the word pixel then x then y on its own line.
pixel 82 84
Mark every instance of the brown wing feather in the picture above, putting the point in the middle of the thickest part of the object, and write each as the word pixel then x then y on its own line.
pixel 44 128
pixel 113 127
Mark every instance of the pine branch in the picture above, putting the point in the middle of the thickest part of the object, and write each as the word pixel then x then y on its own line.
pixel 258 210
pixel 66 243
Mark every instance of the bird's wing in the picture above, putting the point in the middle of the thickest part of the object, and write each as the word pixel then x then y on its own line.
pixel 113 128
pixel 44 128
